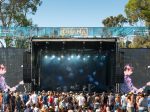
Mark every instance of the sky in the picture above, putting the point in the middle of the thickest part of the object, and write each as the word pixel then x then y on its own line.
pixel 76 13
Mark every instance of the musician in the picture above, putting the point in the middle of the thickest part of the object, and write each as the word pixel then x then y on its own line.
pixel 3 84
pixel 128 85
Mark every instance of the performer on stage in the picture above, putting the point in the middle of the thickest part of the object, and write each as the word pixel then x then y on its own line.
pixel 128 85
pixel 3 84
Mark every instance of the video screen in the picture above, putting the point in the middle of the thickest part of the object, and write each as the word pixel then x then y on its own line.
pixel 65 72
pixel 136 70
pixel 11 69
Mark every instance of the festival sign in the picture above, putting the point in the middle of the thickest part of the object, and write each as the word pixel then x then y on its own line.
pixel 75 32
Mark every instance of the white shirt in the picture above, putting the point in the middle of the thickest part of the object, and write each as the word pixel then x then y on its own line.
pixel 36 109
pixel 81 100
pixel 34 98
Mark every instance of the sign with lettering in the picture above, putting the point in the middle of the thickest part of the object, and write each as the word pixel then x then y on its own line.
pixel 74 32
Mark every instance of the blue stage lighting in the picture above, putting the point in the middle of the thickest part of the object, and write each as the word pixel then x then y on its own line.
pixel 62 56
pixel 58 58
pixel 78 56
pixel 96 56
pixel 53 56
pixel 103 58
pixel 72 56
pixel 84 58
pixel 45 56
pixel 68 58
pixel 88 56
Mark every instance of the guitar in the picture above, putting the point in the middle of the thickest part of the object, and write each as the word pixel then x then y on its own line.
pixel 5 86
pixel 142 89
pixel 15 87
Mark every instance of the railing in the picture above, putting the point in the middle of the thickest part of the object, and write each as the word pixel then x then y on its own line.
pixel 73 32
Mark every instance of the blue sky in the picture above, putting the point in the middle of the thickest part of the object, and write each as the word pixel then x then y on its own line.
pixel 76 13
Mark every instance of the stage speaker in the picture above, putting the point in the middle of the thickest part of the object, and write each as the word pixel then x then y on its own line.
pixel 119 74
pixel 27 67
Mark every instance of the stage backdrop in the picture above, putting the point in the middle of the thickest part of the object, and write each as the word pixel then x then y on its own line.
pixel 74 72
pixel 140 61
pixel 12 59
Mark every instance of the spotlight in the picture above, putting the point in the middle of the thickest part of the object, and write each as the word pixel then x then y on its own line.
pixel 58 59
pixel 53 56
pixel 88 56
pixel 72 56
pixel 96 56
pixel 78 56
pixel 68 59
pixel 103 58
pixel 45 56
pixel 62 56
pixel 84 58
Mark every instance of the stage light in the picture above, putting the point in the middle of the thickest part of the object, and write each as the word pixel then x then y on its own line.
pixel 88 56
pixel 45 56
pixel 96 56
pixel 84 58
pixel 78 56
pixel 62 56
pixel 53 56
pixel 72 56
pixel 103 58
pixel 58 58
pixel 68 59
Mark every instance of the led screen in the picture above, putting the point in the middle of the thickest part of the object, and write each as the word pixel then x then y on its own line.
pixel 137 66
pixel 11 69
pixel 67 72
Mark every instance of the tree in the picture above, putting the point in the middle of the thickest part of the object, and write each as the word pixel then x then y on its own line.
pixel 8 41
pixel 21 43
pixel 138 10
pixel 140 42
pixel 114 21
pixel 14 12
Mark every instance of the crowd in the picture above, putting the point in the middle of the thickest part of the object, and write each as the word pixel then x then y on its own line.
pixel 73 102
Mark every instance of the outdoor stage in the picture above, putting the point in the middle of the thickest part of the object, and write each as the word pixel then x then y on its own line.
pixel 74 64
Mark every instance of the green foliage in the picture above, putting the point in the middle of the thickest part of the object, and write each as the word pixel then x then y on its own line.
pixel 138 10
pixel 140 42
pixel 21 43
pixel 14 12
pixel 137 42
pixel 8 41
pixel 122 44
pixel 114 21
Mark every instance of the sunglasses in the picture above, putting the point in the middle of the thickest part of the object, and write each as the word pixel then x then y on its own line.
pixel 129 69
